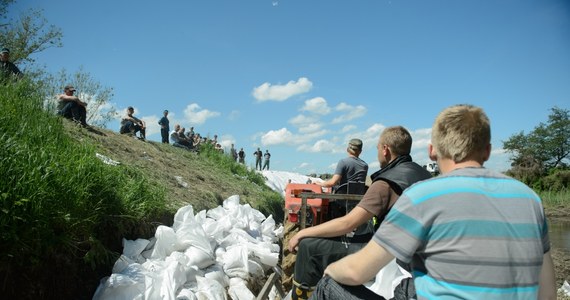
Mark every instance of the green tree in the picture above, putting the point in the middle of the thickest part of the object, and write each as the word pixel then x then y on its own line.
pixel 26 35
pixel 100 110
pixel 546 147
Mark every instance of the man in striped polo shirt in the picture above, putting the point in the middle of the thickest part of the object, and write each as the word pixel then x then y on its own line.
pixel 469 233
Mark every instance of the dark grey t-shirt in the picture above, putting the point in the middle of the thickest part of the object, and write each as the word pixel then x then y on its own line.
pixel 351 169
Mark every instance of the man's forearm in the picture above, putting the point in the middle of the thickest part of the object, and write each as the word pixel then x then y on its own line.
pixel 360 267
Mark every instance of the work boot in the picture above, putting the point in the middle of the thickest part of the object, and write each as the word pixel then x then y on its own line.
pixel 301 291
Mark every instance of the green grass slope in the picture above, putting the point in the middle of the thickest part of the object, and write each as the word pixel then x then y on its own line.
pixel 63 212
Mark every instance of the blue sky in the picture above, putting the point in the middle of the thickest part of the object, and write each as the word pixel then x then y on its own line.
pixel 301 78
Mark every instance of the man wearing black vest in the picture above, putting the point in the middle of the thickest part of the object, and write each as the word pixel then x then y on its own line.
pixel 328 242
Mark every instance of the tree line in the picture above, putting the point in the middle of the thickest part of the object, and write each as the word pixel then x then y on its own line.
pixel 29 34
pixel 540 158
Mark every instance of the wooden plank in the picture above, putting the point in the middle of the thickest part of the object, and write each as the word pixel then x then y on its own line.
pixel 305 196
pixel 267 287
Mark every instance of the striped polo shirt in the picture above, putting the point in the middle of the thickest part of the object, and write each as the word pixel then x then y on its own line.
pixel 469 234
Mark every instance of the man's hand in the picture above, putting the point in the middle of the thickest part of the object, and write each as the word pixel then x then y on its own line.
pixel 293 243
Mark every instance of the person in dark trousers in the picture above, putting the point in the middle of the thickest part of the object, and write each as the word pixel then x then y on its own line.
pixel 469 233
pixel 131 124
pixel 8 69
pixel 258 154
pixel 164 127
pixel 233 153
pixel 71 107
pixel 266 158
pixel 321 245
pixel 241 156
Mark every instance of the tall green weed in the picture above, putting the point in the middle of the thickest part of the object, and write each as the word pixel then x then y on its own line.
pixel 59 203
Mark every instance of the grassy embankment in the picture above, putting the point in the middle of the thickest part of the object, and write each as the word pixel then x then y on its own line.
pixel 64 212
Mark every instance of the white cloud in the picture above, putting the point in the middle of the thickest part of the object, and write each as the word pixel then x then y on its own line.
pixel 347 128
pixel 421 139
pixel 151 123
pixel 195 115
pixel 352 112
pixel 319 146
pixel 267 92
pixel 276 137
pixel 499 161
pixel 226 141
pixel 369 137
pixel 310 128
pixel 234 115
pixel 301 120
pixel 303 165
pixel 317 106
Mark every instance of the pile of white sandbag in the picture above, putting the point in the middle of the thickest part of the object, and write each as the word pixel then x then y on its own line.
pixel 210 255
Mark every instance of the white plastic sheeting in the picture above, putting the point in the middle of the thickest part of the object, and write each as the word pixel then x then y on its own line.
pixel 210 255
pixel 277 180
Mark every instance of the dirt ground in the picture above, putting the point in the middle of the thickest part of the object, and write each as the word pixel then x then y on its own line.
pixel 560 257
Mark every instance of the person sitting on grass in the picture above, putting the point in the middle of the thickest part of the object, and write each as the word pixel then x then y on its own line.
pixel 177 138
pixel 131 124
pixel 71 107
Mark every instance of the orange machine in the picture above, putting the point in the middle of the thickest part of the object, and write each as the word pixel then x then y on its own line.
pixel 318 208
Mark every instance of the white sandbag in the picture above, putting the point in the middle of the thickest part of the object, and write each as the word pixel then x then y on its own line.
pixel 254 230
pixel 253 214
pixel 133 249
pixel 236 262
pixel 122 263
pixel 182 214
pixel 173 277
pixel 565 288
pixel 200 216
pixel 179 257
pixel 239 291
pixel 279 232
pixel 262 253
pixel 190 269
pixel 216 213
pixel 163 279
pixel 267 227
pixel 216 272
pixel 129 284
pixel 153 278
pixel 147 252
pixel 387 279
pixel 219 253
pixel 165 242
pixel 209 289
pixel 192 234
pixel 198 257
pixel 231 203
pixel 244 236
pixel 224 225
pixel 186 294
pixel 255 269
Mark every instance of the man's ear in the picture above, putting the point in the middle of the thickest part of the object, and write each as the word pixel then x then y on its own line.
pixel 432 153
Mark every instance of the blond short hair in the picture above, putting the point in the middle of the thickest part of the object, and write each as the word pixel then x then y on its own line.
pixel 398 139
pixel 461 132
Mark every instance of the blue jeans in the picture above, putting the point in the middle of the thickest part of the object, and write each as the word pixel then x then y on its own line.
pixel 72 110
pixel 132 128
